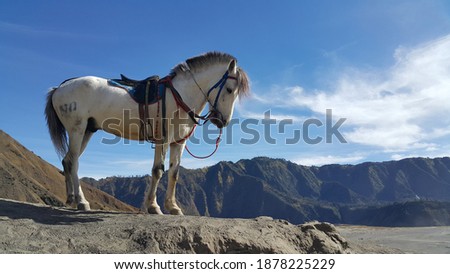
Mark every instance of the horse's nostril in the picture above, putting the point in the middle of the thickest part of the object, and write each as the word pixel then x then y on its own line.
pixel 216 121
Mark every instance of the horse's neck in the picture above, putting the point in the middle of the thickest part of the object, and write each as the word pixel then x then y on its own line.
pixel 194 92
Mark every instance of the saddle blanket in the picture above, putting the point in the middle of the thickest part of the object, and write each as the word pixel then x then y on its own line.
pixel 137 89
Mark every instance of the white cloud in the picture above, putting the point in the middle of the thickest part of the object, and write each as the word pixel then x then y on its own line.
pixel 190 162
pixel 430 153
pixel 246 114
pixel 403 107
pixel 326 160
pixel 261 102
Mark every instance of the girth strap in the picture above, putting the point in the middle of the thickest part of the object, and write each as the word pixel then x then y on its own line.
pixel 144 115
pixel 163 83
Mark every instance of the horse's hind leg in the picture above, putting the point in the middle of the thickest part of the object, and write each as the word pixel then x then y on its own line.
pixel 151 203
pixel 67 164
pixel 170 203
pixel 77 142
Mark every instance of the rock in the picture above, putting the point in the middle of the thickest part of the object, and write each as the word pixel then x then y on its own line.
pixel 323 238
pixel 30 228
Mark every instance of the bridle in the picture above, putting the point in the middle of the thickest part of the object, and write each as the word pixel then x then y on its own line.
pixel 220 84
pixel 167 83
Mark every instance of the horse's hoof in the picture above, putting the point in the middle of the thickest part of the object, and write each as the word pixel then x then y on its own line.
pixel 70 200
pixel 176 211
pixel 84 206
pixel 154 210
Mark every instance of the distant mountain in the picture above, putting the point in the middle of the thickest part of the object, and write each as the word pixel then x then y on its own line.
pixel 26 177
pixel 127 189
pixel 413 213
pixel 282 189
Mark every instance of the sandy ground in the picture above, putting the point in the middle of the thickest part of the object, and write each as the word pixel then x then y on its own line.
pixel 417 240
pixel 31 228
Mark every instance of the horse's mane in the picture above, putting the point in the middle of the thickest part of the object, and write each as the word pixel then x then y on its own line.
pixel 209 58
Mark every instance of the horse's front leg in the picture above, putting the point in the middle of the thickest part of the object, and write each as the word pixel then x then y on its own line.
pixel 157 172
pixel 170 203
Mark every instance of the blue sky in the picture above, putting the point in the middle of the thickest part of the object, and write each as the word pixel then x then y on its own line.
pixel 383 66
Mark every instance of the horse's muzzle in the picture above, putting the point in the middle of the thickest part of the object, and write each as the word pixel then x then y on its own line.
pixel 217 119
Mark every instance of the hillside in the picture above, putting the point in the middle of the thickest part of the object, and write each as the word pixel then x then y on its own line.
pixel 368 193
pixel 24 176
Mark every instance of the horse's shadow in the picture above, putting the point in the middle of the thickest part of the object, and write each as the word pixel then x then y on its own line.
pixel 48 215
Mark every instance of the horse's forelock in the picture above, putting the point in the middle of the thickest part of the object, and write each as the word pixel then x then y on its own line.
pixel 244 83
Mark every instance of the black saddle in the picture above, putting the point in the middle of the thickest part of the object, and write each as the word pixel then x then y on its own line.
pixel 140 90
pixel 134 83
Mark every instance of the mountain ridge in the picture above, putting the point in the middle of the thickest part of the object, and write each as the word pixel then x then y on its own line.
pixel 332 193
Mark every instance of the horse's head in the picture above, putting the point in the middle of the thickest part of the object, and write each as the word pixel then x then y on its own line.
pixel 233 83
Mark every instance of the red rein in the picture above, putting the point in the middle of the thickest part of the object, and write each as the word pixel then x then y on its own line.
pixel 207 156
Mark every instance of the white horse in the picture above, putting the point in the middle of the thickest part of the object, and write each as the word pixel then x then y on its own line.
pixel 81 106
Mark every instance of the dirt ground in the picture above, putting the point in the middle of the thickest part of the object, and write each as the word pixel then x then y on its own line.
pixel 417 240
pixel 32 228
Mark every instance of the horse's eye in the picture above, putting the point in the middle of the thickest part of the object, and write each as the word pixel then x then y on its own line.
pixel 229 90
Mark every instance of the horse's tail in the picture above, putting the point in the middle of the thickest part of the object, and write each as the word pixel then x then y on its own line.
pixel 55 127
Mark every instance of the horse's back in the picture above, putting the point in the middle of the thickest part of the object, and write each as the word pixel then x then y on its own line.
pixel 81 84
pixel 87 90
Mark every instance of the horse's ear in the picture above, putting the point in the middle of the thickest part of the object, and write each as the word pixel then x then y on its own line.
pixel 232 67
